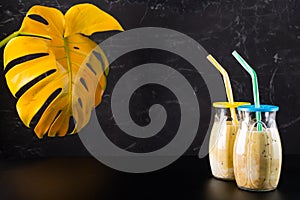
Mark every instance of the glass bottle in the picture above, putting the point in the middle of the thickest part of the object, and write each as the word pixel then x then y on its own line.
pixel 222 139
pixel 257 154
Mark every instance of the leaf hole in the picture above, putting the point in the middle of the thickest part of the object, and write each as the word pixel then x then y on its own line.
pixel 37 36
pixel 56 116
pixel 91 68
pixel 76 48
pixel 23 89
pixel 22 59
pixel 38 115
pixel 80 102
pixel 99 58
pixel 84 84
pixel 38 18
pixel 71 125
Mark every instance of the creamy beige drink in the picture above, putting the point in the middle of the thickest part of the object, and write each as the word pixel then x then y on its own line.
pixel 257 159
pixel 221 149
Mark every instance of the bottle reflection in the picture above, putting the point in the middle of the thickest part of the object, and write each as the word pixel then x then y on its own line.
pixel 224 190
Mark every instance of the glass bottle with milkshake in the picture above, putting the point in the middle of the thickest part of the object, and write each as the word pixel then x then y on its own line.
pixel 223 131
pixel 257 153
pixel 222 139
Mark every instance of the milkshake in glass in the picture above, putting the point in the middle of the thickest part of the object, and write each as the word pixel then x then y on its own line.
pixel 257 154
pixel 222 139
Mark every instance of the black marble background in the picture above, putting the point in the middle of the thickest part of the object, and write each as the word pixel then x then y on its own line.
pixel 265 32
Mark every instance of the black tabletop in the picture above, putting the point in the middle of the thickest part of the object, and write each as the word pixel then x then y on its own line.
pixel 86 178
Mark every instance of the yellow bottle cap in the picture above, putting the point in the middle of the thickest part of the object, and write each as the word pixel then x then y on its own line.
pixel 229 105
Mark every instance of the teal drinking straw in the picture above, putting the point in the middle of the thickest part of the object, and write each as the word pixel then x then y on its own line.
pixel 253 75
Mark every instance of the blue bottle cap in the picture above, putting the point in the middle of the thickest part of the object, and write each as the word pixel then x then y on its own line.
pixel 262 108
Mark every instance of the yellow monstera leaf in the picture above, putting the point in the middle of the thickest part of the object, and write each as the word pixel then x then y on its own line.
pixel 54 70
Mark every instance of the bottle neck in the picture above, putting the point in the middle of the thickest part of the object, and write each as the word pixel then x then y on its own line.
pixel 224 113
pixel 268 119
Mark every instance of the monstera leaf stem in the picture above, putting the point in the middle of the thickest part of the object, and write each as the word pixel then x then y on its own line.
pixel 11 36
pixel 67 51
pixel 18 33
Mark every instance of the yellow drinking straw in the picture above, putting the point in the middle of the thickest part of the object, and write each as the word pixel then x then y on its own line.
pixel 227 86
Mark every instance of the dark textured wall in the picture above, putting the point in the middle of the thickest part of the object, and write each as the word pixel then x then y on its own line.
pixel 265 32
